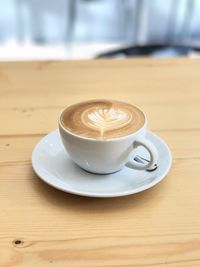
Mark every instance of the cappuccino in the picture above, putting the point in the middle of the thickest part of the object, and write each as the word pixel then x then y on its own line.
pixel 102 119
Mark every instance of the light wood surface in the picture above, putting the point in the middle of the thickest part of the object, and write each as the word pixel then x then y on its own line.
pixel 158 227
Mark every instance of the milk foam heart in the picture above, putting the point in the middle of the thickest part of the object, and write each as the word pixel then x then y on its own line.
pixel 104 120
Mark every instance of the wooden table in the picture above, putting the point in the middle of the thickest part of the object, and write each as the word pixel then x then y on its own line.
pixel 41 226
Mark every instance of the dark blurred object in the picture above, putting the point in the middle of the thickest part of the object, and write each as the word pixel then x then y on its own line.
pixel 153 50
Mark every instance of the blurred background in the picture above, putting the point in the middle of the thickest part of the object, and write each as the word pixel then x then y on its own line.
pixel 86 29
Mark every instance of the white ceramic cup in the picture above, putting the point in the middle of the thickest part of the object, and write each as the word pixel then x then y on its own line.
pixel 107 156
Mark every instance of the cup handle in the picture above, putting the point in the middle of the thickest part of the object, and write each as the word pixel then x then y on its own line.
pixel 153 156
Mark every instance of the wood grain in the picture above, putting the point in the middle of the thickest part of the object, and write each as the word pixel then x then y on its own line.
pixel 41 226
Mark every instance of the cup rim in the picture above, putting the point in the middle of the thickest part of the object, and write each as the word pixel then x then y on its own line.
pixel 101 140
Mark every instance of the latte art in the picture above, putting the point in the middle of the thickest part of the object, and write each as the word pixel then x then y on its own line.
pixel 102 119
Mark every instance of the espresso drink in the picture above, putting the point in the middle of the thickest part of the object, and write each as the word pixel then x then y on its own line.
pixel 102 119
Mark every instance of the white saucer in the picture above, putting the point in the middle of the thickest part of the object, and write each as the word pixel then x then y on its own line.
pixel 53 165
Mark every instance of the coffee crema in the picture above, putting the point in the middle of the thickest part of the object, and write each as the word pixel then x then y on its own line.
pixel 102 119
